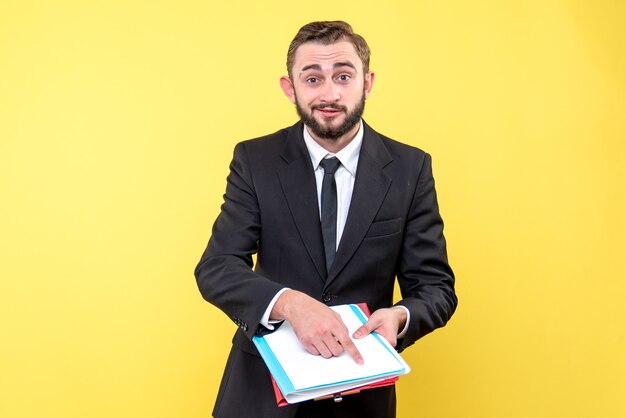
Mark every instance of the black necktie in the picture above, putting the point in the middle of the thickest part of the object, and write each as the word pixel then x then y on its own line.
pixel 329 209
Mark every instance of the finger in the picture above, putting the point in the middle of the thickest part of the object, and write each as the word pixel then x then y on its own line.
pixel 323 350
pixel 349 346
pixel 361 332
pixel 387 335
pixel 365 329
pixel 333 345
pixel 380 327
pixel 311 349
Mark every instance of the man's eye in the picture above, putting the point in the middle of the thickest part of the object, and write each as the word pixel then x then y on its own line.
pixel 312 80
pixel 344 77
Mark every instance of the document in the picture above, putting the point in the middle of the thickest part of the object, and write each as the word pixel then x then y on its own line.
pixel 301 376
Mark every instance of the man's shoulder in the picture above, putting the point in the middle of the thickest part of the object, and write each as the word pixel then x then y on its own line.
pixel 273 140
pixel 396 147
pixel 400 146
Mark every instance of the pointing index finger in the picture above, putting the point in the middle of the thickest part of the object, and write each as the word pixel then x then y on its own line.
pixel 349 346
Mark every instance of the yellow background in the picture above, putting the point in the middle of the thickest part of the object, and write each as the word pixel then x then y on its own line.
pixel 117 123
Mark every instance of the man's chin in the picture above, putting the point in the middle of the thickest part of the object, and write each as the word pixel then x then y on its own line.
pixel 330 125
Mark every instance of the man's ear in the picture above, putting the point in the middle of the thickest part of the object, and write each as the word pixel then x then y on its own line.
pixel 287 86
pixel 369 82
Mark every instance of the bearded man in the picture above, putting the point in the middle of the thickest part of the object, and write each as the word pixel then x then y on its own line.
pixel 335 213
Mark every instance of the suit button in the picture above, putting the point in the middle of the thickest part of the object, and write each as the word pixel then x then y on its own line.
pixel 326 297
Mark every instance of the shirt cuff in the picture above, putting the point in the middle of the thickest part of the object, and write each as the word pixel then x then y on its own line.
pixel 408 319
pixel 265 319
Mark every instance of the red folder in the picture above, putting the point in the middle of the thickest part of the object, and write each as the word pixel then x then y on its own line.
pixel 281 401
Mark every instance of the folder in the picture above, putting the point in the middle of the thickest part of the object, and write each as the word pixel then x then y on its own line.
pixel 338 396
pixel 299 376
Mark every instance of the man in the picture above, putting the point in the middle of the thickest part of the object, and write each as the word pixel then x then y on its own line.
pixel 324 239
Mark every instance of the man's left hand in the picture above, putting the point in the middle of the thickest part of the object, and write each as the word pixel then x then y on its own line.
pixel 387 322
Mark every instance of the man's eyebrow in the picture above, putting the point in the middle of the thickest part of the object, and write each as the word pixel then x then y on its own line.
pixel 311 67
pixel 317 67
pixel 344 64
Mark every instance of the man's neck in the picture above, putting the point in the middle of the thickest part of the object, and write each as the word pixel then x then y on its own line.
pixel 335 145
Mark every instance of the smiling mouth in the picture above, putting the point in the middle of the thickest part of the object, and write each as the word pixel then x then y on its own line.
pixel 328 111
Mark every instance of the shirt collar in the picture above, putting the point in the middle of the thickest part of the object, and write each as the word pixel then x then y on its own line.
pixel 348 155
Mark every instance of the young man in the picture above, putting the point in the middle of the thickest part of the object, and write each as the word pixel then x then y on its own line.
pixel 335 212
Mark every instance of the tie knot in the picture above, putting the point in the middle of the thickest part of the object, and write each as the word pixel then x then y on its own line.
pixel 330 165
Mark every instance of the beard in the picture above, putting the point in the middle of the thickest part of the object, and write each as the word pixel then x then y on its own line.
pixel 327 131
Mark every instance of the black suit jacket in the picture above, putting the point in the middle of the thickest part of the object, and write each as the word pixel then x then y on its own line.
pixel 393 231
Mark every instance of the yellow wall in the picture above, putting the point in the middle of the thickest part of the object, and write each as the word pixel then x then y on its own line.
pixel 117 123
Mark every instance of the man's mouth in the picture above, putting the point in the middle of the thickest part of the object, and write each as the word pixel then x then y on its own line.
pixel 329 111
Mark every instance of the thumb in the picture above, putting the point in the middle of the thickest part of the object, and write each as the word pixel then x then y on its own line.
pixel 364 330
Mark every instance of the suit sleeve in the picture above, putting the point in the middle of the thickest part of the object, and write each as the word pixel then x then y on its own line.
pixel 224 274
pixel 424 275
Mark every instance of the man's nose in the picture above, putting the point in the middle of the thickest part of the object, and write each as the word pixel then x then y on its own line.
pixel 330 92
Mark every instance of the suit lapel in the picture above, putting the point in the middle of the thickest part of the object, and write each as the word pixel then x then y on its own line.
pixel 298 183
pixel 370 188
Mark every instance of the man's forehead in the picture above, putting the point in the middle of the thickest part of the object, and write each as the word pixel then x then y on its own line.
pixel 313 54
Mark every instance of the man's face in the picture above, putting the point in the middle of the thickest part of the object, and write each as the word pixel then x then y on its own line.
pixel 328 88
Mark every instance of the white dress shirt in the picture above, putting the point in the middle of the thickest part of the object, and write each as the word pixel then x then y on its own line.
pixel 344 176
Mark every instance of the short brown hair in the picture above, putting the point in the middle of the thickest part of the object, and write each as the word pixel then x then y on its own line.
pixel 327 33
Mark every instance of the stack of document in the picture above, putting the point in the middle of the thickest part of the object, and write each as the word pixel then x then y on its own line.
pixel 302 376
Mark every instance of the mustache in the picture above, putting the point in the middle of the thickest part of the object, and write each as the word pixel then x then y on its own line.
pixel 330 106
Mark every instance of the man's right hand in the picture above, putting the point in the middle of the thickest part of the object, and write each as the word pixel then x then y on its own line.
pixel 320 329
